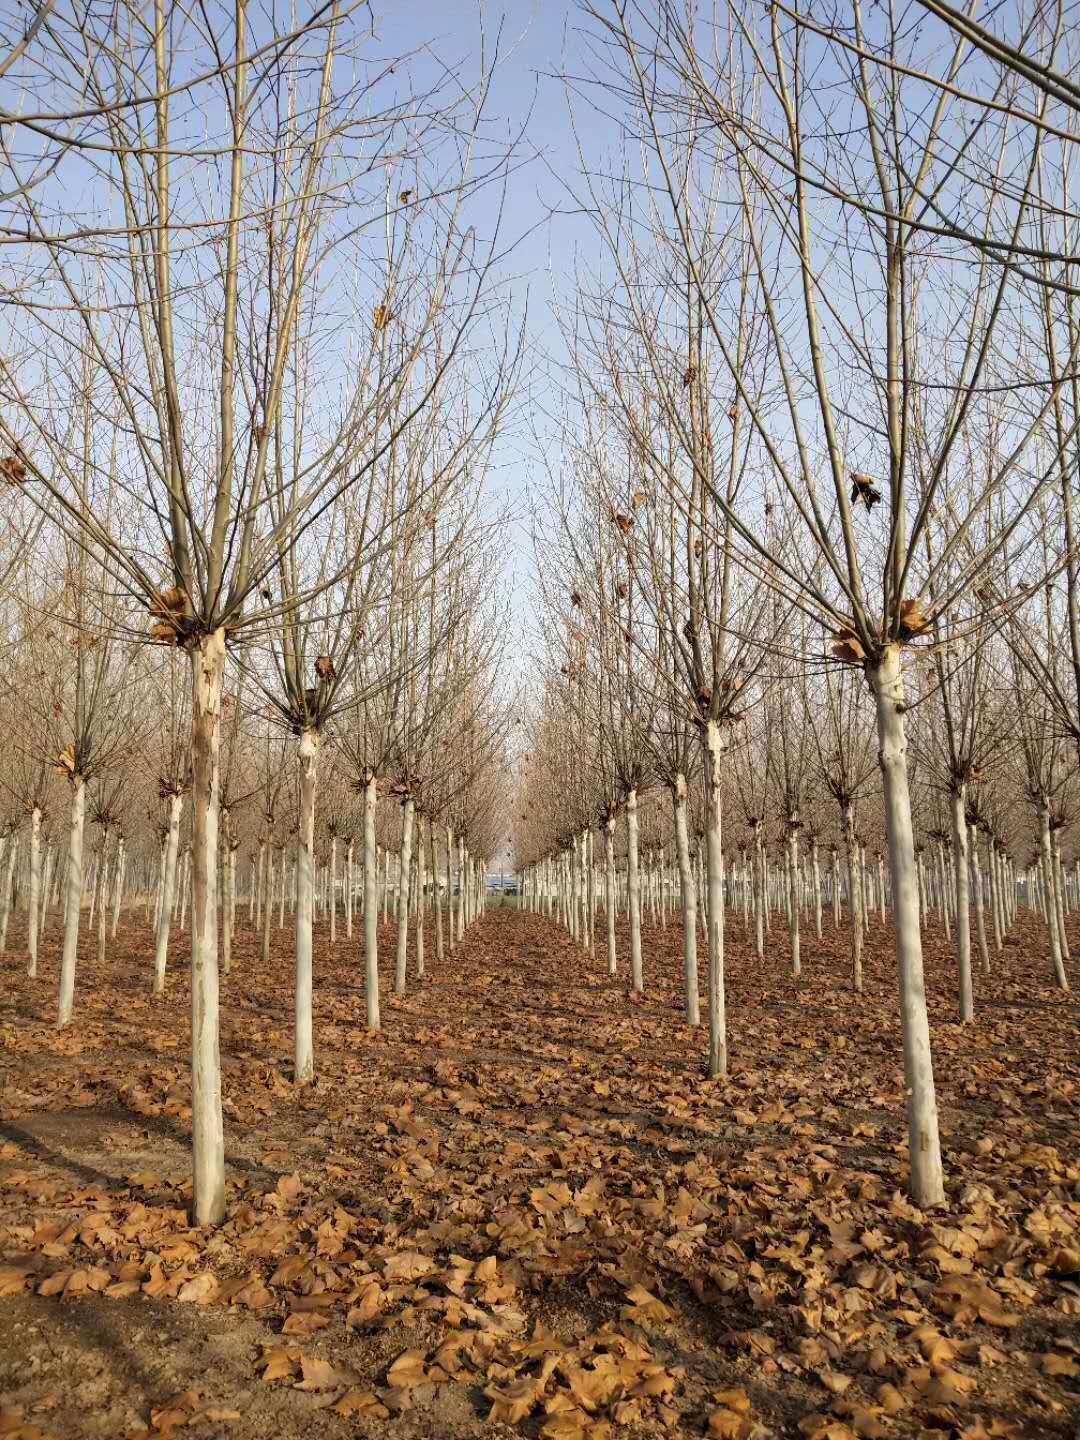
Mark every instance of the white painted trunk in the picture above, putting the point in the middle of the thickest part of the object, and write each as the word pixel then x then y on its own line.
pixel 717 1063
pixel 1057 964
pixel 793 904
pixel 927 1180
pixel 207 1127
pixel 421 885
pixel 168 887
pixel 74 902
pixel 689 903
pixel 958 808
pixel 633 887
pixel 371 908
pixel 304 1049
pixel 609 891
pixel 5 900
pixel 118 885
pixel 408 814
pixel 35 887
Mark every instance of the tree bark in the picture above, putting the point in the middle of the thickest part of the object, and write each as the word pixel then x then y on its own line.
pixel 958 809
pixel 404 880
pixel 207 1128
pixel 35 888
pixel 924 1143
pixel 304 1049
pixel 689 903
pixel 74 901
pixel 633 885
pixel 371 908
pixel 168 888
pixel 714 865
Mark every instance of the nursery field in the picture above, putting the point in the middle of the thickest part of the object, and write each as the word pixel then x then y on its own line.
pixel 519 1209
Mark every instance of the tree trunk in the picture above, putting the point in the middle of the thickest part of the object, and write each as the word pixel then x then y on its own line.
pixel 421 885
pixel 118 885
pixel 1057 964
pixel 168 888
pixel 436 893
pixel 793 903
pixel 854 899
pixel 714 866
pixel 371 908
pixel 304 1049
pixel 689 903
pixel 9 878
pixel 927 1181
pixel 35 887
pixel 404 878
pixel 633 885
pixel 815 872
pixel 958 808
pixel 980 916
pixel 74 901
pixel 609 890
pixel 207 1129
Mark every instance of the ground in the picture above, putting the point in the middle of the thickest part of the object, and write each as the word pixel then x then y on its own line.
pixel 521 1210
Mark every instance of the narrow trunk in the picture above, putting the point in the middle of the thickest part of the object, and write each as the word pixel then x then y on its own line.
pixel 927 1181
pixel 633 885
pixel 207 1129
pixel 421 885
pixel 404 878
pixel 168 887
pixel 304 1048
pixel 980 916
pixel 689 903
pixel 714 864
pixel 1057 964
pixel 609 890
pixel 963 904
pixel 854 899
pixel 9 878
pixel 793 903
pixel 118 885
pixel 371 910
pixel 74 901
pixel 35 887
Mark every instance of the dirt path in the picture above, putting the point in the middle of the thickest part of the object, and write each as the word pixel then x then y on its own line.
pixel 524 1187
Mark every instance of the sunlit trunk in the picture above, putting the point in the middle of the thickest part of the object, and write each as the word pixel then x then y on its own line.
pixel 74 901
pixel 1057 964
pixel 333 889
pixel 958 812
pixel 793 903
pixel 9 877
pixel 35 887
pixel 854 899
pixel 633 885
pixel 267 902
pixel 118 884
pixel 304 1048
pixel 103 897
pixel 609 890
pixel 714 867
pixel 208 1138
pixel 436 892
pixel 371 908
pixel 927 1181
pixel 759 893
pixel 421 884
pixel 980 915
pixel 168 887
pixel 815 873
pixel 689 903
pixel 404 878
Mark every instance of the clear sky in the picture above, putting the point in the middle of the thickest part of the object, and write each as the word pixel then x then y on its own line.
pixel 538 42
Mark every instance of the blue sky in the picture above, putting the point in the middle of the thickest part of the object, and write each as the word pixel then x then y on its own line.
pixel 538 41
